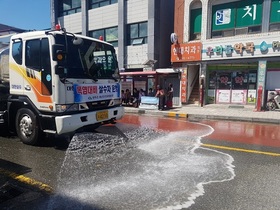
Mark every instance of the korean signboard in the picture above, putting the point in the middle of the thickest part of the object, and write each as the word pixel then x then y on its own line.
pixel 237 14
pixel 184 86
pixel 275 11
pixel 248 47
pixel 186 52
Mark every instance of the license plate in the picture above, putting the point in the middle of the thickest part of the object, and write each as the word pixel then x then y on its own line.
pixel 102 115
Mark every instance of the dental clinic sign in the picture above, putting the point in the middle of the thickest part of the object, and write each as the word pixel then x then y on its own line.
pixel 237 14
pixel 186 52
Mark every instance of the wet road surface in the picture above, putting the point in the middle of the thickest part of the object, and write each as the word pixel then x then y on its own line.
pixel 146 162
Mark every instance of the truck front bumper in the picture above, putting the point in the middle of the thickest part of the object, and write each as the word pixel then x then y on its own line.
pixel 70 123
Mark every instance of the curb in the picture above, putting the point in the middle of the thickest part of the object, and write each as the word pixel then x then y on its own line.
pixel 157 112
pixel 175 114
pixel 197 117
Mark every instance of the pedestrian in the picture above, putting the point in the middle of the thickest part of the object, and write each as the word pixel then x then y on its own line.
pixel 151 92
pixel 135 97
pixel 141 93
pixel 123 96
pixel 161 97
pixel 127 96
pixel 169 96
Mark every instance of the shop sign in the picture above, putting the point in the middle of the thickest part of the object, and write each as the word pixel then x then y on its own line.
pixel 263 47
pixel 186 52
pixel 228 50
pixel 262 72
pixel 184 86
pixel 252 94
pixel 276 45
pixel 239 48
pixel 223 96
pixel 275 11
pixel 211 96
pixel 237 14
pixel 238 96
pixel 248 47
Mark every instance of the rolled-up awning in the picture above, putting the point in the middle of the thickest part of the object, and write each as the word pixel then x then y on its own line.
pixel 134 73
pixel 167 70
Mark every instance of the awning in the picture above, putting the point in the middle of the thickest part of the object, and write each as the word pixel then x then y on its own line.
pixel 137 73
pixel 167 70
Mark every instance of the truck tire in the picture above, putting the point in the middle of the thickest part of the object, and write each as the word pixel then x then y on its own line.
pixel 27 127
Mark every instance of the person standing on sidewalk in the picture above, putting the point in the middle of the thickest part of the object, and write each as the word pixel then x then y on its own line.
pixel 161 96
pixel 135 97
pixel 169 97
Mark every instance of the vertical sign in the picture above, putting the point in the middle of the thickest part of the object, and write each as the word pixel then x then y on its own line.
pixel 184 86
pixel 261 73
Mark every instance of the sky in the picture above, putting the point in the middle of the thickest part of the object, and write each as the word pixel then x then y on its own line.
pixel 26 14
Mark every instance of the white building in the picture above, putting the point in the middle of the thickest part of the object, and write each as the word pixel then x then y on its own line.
pixel 139 29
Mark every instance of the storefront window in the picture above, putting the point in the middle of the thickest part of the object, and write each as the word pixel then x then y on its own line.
pixel 232 85
pixel 224 80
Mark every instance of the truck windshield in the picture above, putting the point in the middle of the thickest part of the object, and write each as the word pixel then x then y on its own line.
pixel 88 58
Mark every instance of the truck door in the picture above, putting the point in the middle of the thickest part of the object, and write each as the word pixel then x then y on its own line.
pixel 38 69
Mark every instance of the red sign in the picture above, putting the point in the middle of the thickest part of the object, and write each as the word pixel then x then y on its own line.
pixel 186 52
pixel 184 86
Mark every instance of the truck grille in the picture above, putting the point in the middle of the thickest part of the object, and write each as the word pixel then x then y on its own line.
pixel 97 105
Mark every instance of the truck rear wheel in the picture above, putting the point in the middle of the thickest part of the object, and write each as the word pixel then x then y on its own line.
pixel 27 127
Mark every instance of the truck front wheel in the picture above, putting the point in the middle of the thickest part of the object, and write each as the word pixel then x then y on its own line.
pixel 27 127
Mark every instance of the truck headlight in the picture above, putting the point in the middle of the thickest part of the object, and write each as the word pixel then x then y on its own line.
pixel 115 102
pixel 67 107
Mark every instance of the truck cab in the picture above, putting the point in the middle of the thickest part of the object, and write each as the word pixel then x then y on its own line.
pixel 60 82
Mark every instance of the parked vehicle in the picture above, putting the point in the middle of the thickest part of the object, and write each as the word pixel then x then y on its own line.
pixel 273 101
pixel 56 82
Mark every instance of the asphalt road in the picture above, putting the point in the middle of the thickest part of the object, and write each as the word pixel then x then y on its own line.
pixel 146 162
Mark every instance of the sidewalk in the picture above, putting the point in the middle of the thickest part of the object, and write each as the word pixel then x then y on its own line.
pixel 215 112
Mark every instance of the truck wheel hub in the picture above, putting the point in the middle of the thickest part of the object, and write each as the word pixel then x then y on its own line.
pixel 26 126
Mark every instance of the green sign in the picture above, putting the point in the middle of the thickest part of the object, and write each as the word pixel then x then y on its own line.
pixel 249 13
pixel 275 11
pixel 223 16
pixel 237 14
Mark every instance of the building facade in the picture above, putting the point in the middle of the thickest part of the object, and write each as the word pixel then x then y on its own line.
pixel 139 29
pixel 239 46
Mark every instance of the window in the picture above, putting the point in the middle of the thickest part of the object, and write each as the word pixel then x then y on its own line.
pixel 17 52
pixel 109 35
pixel 68 7
pixel 101 3
pixel 195 24
pixel 91 59
pixel 137 33
pixel 32 54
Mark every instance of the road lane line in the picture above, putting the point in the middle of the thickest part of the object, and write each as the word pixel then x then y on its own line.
pixel 27 180
pixel 241 150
